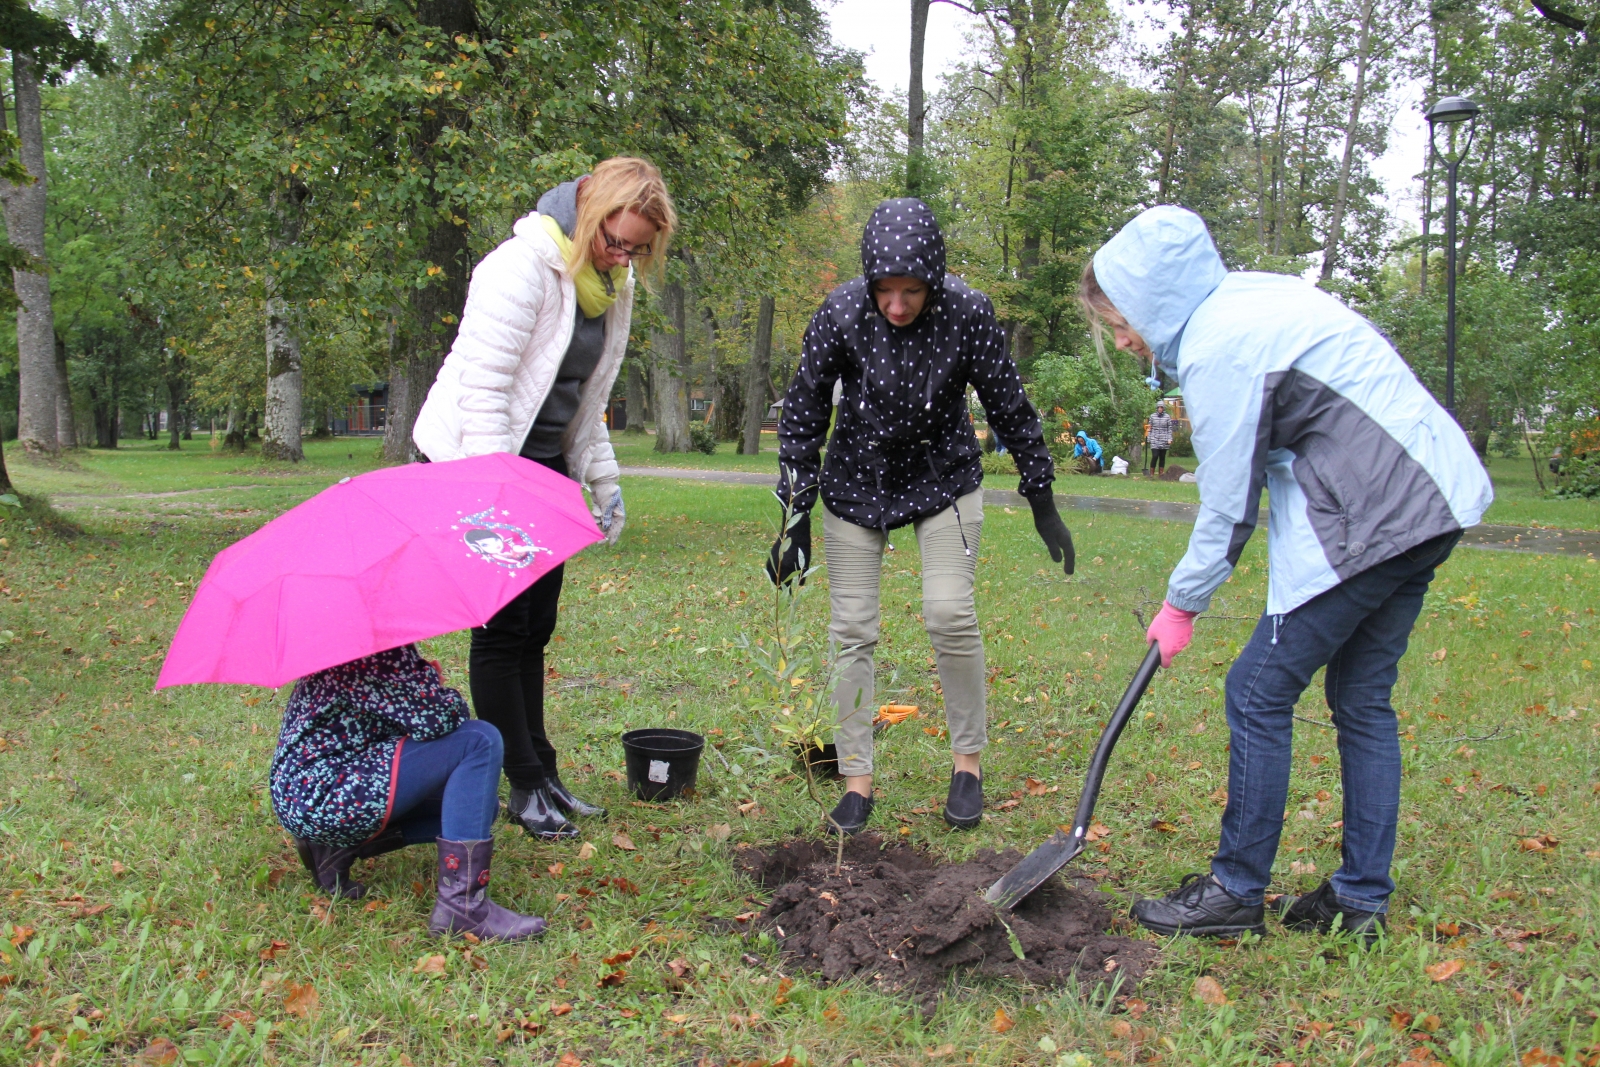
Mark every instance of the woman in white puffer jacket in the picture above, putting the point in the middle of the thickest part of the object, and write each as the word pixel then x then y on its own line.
pixel 539 347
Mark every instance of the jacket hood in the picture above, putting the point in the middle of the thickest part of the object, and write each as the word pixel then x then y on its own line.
pixel 902 240
pixel 1157 270
pixel 561 204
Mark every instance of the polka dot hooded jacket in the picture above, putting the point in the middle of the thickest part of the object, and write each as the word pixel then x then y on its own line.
pixel 903 445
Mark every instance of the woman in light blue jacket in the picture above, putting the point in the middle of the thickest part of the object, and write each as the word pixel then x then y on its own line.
pixel 1370 483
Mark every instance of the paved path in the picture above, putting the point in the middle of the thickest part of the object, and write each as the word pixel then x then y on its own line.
pixel 1506 538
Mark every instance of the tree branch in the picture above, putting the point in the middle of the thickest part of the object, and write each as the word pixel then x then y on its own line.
pixel 1560 18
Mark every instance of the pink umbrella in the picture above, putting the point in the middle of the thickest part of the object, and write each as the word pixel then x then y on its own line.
pixel 377 561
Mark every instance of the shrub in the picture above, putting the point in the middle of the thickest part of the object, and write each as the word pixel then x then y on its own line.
pixel 703 438
pixel 1182 445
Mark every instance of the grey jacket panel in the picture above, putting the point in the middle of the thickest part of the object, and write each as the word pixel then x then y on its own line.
pixel 1367 499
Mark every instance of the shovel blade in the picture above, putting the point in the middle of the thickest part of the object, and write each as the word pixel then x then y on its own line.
pixel 1057 851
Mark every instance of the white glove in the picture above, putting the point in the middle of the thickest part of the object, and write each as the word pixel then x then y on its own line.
pixel 612 515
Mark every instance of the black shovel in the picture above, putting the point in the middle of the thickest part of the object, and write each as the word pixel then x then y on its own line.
pixel 1062 848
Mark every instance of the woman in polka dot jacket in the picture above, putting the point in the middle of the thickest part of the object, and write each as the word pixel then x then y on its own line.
pixel 379 753
pixel 906 339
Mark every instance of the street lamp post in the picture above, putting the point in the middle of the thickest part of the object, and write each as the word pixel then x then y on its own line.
pixel 1450 111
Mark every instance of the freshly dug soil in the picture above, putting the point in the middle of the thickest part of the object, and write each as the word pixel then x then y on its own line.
pixel 897 918
pixel 1173 472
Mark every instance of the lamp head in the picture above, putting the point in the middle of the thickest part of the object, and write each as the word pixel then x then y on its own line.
pixel 1452 109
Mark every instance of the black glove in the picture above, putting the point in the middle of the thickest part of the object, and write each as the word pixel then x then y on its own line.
pixel 1057 538
pixel 782 566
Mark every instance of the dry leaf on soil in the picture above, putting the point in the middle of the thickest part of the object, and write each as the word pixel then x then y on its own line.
pixel 159 1052
pixel 623 841
pixel 1002 1021
pixel 430 965
pixel 587 851
pixel 1208 990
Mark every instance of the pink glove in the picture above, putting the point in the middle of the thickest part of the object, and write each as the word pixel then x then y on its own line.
pixel 1172 629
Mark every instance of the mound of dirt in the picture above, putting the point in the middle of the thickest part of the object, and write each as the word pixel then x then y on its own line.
pixel 1173 472
pixel 894 916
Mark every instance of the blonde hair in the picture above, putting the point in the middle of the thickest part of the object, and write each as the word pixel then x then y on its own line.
pixel 1097 309
pixel 623 183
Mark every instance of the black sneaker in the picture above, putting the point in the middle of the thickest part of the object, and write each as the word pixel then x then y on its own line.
pixel 1200 907
pixel 850 815
pixel 1319 909
pixel 963 809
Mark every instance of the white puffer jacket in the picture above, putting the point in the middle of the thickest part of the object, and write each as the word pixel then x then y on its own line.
pixel 518 322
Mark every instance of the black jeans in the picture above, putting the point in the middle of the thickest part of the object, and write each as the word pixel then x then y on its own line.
pixel 1158 459
pixel 506 673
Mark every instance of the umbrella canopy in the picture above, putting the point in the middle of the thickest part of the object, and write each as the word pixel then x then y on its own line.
pixel 380 560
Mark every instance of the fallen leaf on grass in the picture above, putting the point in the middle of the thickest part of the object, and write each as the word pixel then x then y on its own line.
pixel 559 1010
pixel 679 1018
pixel 159 1052
pixel 1002 1022
pixel 612 980
pixel 1444 970
pixel 1439 656
pixel 374 906
pixel 719 831
pixel 271 951
pixel 1037 788
pixel 587 851
pixel 1136 1007
pixel 236 1017
pixel 1297 867
pixel 1539 843
pixel 1097 831
pixel 749 808
pixel 620 958
pixel 1163 825
pixel 679 967
pixel 831 1014
pixel 623 841
pixel 569 1059
pixel 20 935
pixel 430 965
pixel 1538 1057
pixel 1447 929
pixel 555 869
pixel 1007 805
pixel 1400 1020
pixel 1208 990
pixel 302 1000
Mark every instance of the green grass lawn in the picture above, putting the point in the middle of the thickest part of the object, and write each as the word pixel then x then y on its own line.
pixel 1518 499
pixel 148 893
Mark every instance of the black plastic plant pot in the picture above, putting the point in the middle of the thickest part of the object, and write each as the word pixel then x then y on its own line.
pixel 824 760
pixel 662 763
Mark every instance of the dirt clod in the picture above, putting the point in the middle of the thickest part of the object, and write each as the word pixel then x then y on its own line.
pixel 894 916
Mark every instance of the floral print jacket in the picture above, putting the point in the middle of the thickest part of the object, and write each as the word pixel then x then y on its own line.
pixel 333 774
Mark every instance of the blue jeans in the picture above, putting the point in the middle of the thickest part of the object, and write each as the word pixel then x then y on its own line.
pixel 1358 630
pixel 450 787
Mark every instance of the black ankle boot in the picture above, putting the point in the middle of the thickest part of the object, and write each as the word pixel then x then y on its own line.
pixel 329 866
pixel 1202 908
pixel 963 809
pixel 536 812
pixel 570 804
pixel 1319 910
pixel 850 815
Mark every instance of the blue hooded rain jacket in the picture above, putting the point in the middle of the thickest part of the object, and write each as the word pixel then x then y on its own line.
pixel 1288 388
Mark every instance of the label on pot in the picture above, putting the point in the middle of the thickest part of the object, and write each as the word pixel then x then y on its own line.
pixel 658 770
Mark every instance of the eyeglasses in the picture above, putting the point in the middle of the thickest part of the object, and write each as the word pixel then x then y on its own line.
pixel 622 248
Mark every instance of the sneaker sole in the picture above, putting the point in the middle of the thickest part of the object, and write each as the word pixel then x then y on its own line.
pixel 962 824
pixel 1167 930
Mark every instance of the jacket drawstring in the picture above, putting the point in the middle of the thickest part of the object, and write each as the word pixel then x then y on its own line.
pixel 1276 620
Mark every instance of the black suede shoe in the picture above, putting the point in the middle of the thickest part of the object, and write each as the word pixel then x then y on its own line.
pixel 536 812
pixel 1319 909
pixel 571 804
pixel 963 809
pixel 1200 907
pixel 850 815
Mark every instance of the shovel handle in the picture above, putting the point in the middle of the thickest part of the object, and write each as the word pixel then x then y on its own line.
pixel 1108 741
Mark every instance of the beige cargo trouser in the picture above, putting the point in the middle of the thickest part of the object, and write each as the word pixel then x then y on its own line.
pixel 855 566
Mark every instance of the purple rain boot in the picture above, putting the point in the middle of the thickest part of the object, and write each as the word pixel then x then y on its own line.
pixel 464 907
pixel 329 866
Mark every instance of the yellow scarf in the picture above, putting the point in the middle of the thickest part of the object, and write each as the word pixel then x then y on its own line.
pixel 596 291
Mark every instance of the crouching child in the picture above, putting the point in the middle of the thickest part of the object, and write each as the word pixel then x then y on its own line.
pixel 379 753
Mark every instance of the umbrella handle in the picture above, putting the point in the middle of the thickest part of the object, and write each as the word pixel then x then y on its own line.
pixel 1108 741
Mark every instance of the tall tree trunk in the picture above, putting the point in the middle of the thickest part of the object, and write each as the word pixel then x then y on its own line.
pixel 635 400
pixel 435 308
pixel 66 430
pixel 25 211
pixel 1330 251
pixel 285 392
pixel 916 104
pixel 175 396
pixel 758 373
pixel 5 477
pixel 669 379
